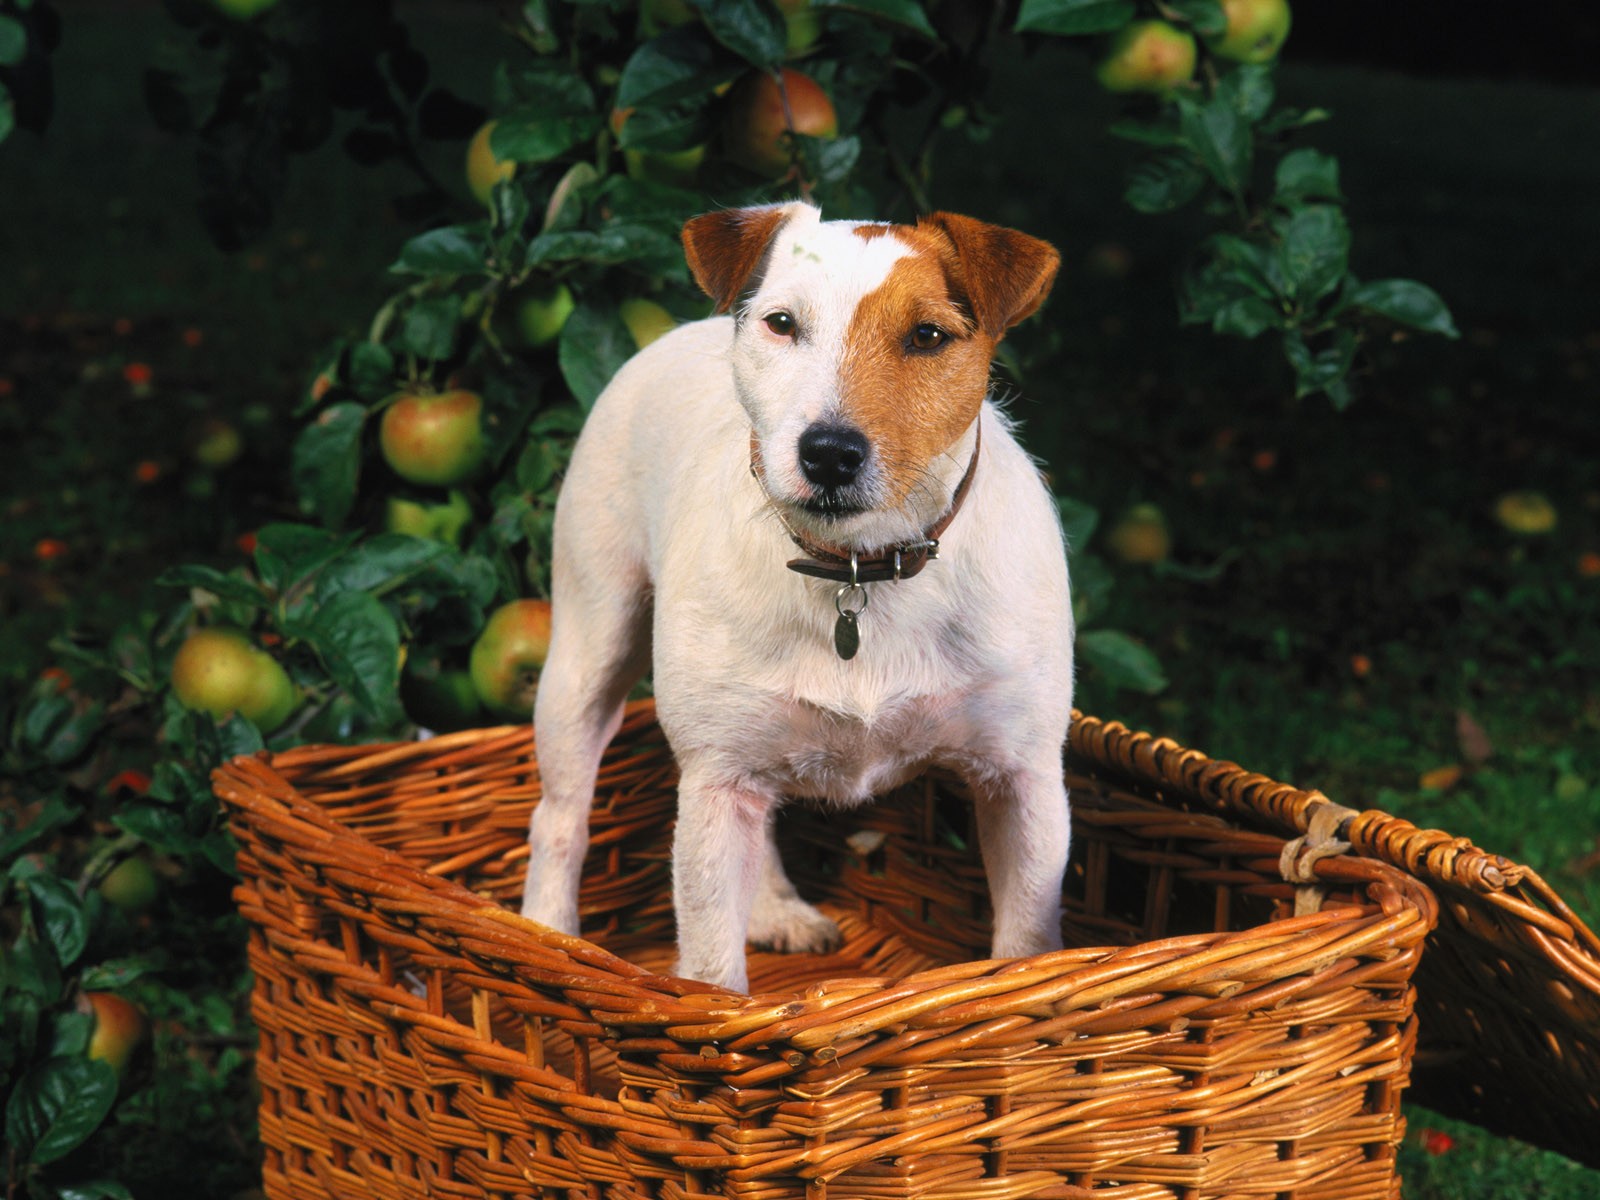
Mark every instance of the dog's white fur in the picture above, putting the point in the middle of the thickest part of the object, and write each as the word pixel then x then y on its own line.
pixel 668 552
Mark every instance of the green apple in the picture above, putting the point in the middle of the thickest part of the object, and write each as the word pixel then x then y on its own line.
pixel 435 439
pixel 440 699
pixel 1256 30
pixel 508 655
pixel 131 885
pixel 656 16
pixel 485 168
pixel 756 121
pixel 1140 536
pixel 220 671
pixel 242 10
pixel 216 443
pixel 1526 513
pixel 646 320
pixel 424 519
pixel 1147 56
pixel 539 312
pixel 119 1028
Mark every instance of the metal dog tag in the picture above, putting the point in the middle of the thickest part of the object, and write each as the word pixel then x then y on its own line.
pixel 846 635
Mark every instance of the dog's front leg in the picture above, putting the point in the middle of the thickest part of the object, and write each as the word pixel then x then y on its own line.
pixel 717 861
pixel 1024 833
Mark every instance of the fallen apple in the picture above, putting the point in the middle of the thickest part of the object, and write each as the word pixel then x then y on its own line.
pixel 1529 513
pixel 1147 56
pixel 220 671
pixel 509 654
pixel 434 439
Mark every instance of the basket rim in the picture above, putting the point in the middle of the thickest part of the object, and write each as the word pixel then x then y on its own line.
pixel 618 994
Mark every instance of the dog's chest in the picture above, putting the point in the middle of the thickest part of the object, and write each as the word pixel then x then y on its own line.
pixel 848 758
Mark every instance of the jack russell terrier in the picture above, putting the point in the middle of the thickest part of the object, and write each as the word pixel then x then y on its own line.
pixel 841 407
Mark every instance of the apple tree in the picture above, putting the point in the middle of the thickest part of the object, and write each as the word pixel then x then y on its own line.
pixel 403 591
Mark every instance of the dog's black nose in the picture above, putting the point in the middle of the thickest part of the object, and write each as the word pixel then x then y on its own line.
pixel 832 455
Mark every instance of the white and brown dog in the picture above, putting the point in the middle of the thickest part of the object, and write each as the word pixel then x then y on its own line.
pixel 842 406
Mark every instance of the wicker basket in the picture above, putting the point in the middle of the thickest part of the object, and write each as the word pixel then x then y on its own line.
pixel 1202 1039
pixel 1509 989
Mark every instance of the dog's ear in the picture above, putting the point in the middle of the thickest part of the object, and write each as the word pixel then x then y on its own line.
pixel 1005 275
pixel 725 249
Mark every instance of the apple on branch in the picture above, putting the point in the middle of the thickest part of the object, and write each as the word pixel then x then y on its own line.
pixel 1147 56
pixel 509 654
pixel 433 439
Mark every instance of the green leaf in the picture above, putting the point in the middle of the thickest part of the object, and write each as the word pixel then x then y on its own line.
pixel 1407 302
pixel 1206 17
pixel 57 726
pixel 287 552
pixel 1079 520
pixel 1073 16
pixel 378 563
pixel 594 344
pixel 907 14
pixel 1248 90
pixel 829 160
pixel 116 973
pixel 555 110
pixel 1313 250
pixel 13 41
pixel 57 1105
pixel 1220 139
pixel 1163 182
pixel 58 909
pixel 1246 317
pixel 679 65
pixel 1121 661
pixel 618 242
pixel 8 114
pixel 453 250
pixel 431 328
pixel 94 1189
pixel 1307 174
pixel 370 370
pixel 51 815
pixel 1321 370
pixel 358 641
pixel 162 827
pixel 1092 582
pixel 1160 132
pixel 752 29
pixel 325 465
pixel 226 585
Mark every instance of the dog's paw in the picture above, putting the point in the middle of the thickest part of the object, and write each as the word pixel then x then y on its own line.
pixel 792 926
pixel 562 917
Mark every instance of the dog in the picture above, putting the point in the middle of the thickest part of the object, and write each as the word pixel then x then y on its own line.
pixel 838 403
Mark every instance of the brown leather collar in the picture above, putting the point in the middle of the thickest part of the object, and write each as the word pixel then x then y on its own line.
pixel 896 562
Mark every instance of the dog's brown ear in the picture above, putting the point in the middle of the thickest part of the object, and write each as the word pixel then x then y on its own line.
pixel 1005 275
pixel 725 249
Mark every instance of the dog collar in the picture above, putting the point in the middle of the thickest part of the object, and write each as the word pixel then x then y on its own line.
pixel 852 568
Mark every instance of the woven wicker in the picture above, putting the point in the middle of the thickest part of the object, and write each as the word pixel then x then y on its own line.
pixel 1509 989
pixel 1199 1040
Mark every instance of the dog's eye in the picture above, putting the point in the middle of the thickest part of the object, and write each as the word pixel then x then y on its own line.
pixel 927 337
pixel 781 323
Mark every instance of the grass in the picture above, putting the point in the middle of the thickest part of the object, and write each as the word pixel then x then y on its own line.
pixel 1339 594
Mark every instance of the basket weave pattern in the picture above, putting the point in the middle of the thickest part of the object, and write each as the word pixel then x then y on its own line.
pixel 1197 1040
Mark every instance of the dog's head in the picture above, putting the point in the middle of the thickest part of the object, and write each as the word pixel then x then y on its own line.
pixel 862 352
